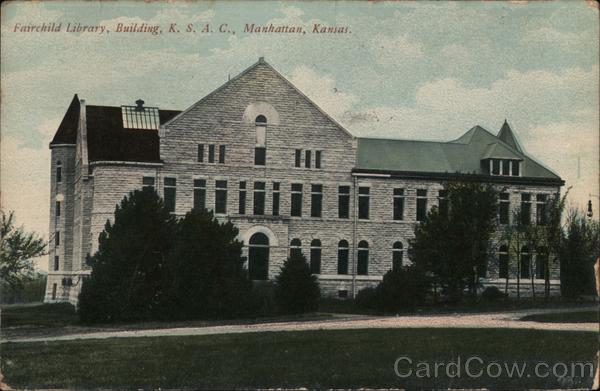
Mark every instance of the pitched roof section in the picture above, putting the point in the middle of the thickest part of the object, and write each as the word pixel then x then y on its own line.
pixel 508 136
pixel 67 130
pixel 463 155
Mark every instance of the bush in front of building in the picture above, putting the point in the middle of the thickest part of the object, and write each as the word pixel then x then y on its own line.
pixel 492 294
pixel 296 289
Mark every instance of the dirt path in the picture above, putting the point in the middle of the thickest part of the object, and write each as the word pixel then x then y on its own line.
pixel 488 320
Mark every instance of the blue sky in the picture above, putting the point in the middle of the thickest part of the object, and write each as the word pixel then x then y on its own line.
pixel 407 70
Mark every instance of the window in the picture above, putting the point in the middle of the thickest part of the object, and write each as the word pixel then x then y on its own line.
pixel 276 198
pixel 541 263
pixel 148 183
pixel 443 202
pixel 258 257
pixel 343 251
pixel 58 172
pixel 398 204
pixel 316 200
pixel 298 161
pixel 199 193
pixel 57 209
pixel 495 167
pixel 515 168
pixel 315 256
pixel 260 146
pixel 221 154
pixel 56 263
pixel 201 153
pixel 57 238
pixel 421 204
pixel 525 262
pixel 525 209
pixel 295 248
pixel 242 199
pixel 505 167
pixel 504 209
pixel 318 159
pixel 344 202
pixel 503 261
pixel 397 255
pixel 307 159
pixel 169 194
pixel 362 266
pixel 296 200
pixel 53 291
pixel 221 197
pixel 211 153
pixel 541 215
pixel 259 198
pixel 363 202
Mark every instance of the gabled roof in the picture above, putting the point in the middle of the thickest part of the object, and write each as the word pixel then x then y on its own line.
pixel 67 130
pixel 461 156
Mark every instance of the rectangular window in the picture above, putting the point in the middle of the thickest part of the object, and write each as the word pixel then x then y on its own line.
pixel 363 202
pixel 170 193
pixel 443 202
pixel 211 153
pixel 58 173
pixel 540 211
pixel 259 198
pixel 56 263
pixel 307 159
pixel 503 265
pixel 275 198
pixel 242 199
pixel 316 200
pixel 57 212
pixel 525 209
pixel 201 153
pixel 515 168
pixel 344 202
pixel 200 194
pixel 398 204
pixel 53 291
pixel 504 208
pixel 298 161
pixel 421 204
pixel 495 167
pixel 260 156
pixel 57 238
pixel 148 183
pixel 221 197
pixel 221 154
pixel 318 159
pixel 296 209
pixel 505 167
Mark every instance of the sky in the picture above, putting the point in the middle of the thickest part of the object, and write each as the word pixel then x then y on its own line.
pixel 410 70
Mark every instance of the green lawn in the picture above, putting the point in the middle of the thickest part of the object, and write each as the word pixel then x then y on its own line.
pixel 565 317
pixel 314 359
pixel 40 315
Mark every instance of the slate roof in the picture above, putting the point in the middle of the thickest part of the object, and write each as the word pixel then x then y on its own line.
pixel 107 139
pixel 461 156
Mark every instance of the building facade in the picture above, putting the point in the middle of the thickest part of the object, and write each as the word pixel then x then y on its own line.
pixel 259 153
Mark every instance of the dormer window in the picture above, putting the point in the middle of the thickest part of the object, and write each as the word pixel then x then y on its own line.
pixel 260 147
pixel 504 167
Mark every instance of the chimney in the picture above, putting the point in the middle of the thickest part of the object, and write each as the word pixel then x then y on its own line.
pixel 140 105
pixel 261 60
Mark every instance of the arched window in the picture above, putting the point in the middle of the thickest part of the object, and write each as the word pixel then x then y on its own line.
pixel 258 256
pixel 343 257
pixel 503 261
pixel 315 256
pixel 260 147
pixel 397 255
pixel 525 262
pixel 362 266
pixel 295 248
pixel 541 263
pixel 58 171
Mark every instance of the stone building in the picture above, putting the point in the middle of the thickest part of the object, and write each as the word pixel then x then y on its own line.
pixel 259 153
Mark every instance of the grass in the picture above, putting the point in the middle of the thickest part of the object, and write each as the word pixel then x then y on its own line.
pixel 42 315
pixel 314 359
pixel 565 317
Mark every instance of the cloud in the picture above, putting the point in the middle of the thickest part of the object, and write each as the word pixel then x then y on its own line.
pixel 390 51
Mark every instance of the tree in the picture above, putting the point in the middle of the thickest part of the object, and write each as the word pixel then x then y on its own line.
pixel 126 282
pixel 453 244
pixel 17 250
pixel 205 275
pixel 296 289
